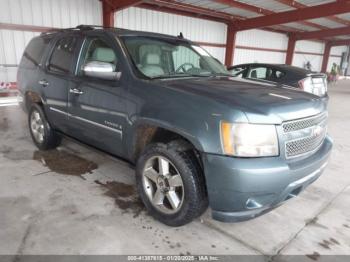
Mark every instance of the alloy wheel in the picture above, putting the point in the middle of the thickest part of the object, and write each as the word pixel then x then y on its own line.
pixel 163 184
pixel 37 126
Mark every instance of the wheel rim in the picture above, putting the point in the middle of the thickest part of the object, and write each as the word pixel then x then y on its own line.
pixel 37 126
pixel 163 184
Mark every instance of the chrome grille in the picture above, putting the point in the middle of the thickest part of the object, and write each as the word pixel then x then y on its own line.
pixel 305 135
pixel 304 145
pixel 303 123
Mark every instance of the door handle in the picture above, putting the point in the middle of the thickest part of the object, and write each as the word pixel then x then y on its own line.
pixel 76 91
pixel 43 82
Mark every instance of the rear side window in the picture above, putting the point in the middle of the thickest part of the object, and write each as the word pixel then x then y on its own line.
pixel 61 59
pixel 34 52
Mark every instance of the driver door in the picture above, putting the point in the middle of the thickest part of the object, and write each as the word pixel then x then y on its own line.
pixel 96 103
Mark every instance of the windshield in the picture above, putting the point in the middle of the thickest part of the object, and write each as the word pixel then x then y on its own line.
pixel 164 58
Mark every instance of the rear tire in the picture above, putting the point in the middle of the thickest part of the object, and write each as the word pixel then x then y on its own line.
pixel 170 183
pixel 44 137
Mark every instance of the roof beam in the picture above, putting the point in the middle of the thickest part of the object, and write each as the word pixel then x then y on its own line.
pixel 323 33
pixel 312 12
pixel 297 5
pixel 325 59
pixel 180 8
pixel 187 9
pixel 117 5
pixel 245 6
pixel 290 49
pixel 183 11
pixel 340 42
pixel 107 14
pixel 259 10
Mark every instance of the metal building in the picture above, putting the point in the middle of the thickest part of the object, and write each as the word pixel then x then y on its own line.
pixel 213 24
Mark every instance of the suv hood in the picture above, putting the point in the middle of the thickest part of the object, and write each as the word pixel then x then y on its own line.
pixel 262 103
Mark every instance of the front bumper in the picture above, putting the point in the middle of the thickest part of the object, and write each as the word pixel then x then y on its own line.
pixel 243 188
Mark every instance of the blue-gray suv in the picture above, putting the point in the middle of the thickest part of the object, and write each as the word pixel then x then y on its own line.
pixel 197 135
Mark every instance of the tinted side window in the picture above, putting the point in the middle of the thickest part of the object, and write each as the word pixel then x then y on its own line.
pixel 62 56
pixel 33 53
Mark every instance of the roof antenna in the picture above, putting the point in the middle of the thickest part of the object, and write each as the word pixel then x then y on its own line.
pixel 180 35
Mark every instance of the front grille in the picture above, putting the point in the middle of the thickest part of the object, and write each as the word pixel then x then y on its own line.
pixel 303 123
pixel 305 135
pixel 304 145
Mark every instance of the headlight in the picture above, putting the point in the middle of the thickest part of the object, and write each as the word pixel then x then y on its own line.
pixel 249 140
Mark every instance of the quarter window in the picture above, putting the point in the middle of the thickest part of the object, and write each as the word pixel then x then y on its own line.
pixel 34 52
pixel 62 56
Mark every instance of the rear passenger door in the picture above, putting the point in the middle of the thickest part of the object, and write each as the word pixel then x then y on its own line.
pixel 97 106
pixel 56 77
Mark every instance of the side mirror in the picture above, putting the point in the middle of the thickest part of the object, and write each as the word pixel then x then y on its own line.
pixel 101 70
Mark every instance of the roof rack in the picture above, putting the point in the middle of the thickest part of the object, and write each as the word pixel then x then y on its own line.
pixel 77 28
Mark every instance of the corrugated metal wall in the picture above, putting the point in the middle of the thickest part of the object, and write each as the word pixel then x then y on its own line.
pixel 48 13
pixel 251 45
pixel 260 39
pixel 192 28
pixel 277 45
pixel 312 47
pixel 316 60
pixel 212 32
pixel 337 50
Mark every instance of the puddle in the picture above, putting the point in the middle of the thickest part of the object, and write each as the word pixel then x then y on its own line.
pixel 9 153
pixel 63 162
pixel 59 161
pixel 328 243
pixel 5 149
pixel 125 196
pixel 19 155
pixel 4 124
pixel 315 256
pixel 334 241
pixel 325 244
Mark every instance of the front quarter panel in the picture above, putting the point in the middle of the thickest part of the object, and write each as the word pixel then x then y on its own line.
pixel 194 117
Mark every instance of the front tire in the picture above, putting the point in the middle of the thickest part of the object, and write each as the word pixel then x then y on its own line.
pixel 170 183
pixel 44 137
